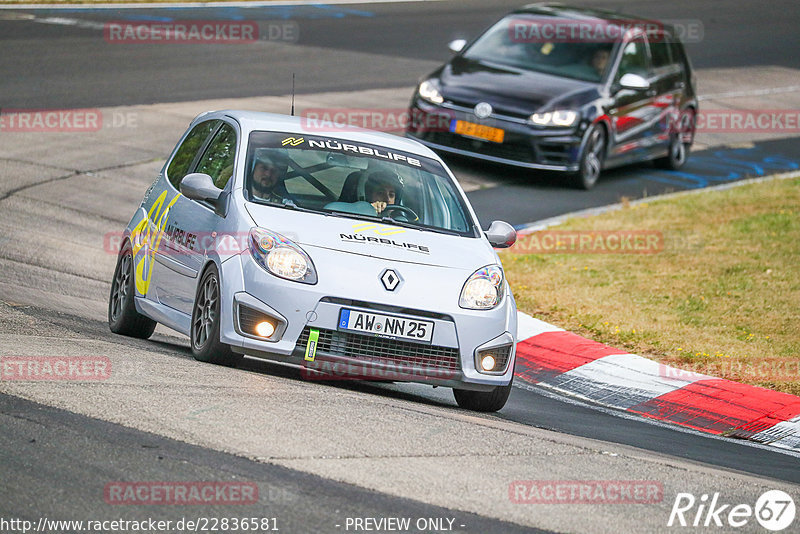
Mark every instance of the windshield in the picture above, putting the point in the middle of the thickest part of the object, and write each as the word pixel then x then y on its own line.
pixel 545 44
pixel 352 179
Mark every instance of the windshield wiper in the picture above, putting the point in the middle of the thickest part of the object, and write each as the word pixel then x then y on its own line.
pixel 286 203
pixel 346 215
pixel 384 220
pixel 409 224
pixel 395 222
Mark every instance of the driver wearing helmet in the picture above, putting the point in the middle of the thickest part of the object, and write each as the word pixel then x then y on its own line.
pixel 383 189
pixel 267 179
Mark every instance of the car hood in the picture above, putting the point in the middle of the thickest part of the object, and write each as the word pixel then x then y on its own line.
pixel 510 90
pixel 373 239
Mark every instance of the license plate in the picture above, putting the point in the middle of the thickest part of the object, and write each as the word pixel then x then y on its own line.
pixel 390 326
pixel 470 129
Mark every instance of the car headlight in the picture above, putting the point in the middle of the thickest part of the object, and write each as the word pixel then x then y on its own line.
pixel 561 118
pixel 428 91
pixel 281 256
pixel 484 289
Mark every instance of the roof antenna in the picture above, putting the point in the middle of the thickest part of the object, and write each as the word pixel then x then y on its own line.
pixel 292 113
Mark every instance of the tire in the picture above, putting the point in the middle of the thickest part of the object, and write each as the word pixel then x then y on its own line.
pixel 679 143
pixel 122 315
pixel 483 401
pixel 206 318
pixel 591 158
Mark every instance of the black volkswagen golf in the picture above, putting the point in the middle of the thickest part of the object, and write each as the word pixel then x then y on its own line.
pixel 563 89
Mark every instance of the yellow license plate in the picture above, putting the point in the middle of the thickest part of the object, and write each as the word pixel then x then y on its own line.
pixel 470 129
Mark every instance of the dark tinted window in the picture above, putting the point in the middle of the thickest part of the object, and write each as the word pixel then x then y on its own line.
pixel 179 167
pixel 510 42
pixel 634 59
pixel 659 51
pixel 217 161
pixel 678 55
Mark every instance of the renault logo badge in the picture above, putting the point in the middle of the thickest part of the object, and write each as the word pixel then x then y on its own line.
pixel 390 279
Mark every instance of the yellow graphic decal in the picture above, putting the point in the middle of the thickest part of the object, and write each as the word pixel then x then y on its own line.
pixel 380 230
pixel 294 141
pixel 149 228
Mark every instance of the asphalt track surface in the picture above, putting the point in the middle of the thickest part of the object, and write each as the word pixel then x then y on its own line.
pixel 59 59
pixel 48 64
pixel 299 502
pixel 57 65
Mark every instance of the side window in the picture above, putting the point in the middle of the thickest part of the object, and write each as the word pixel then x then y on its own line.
pixel 218 159
pixel 678 54
pixel 179 167
pixel 659 51
pixel 453 212
pixel 634 59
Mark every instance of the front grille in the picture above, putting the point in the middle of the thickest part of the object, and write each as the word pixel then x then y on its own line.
pixel 381 350
pixel 514 147
pixel 500 112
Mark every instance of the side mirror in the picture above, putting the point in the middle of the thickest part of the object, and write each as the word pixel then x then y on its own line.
pixel 457 45
pixel 501 234
pixel 200 186
pixel 634 81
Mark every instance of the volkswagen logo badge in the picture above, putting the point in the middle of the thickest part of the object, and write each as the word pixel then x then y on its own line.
pixel 483 110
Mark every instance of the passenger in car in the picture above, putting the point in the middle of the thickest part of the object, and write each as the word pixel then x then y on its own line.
pixel 383 189
pixel 600 60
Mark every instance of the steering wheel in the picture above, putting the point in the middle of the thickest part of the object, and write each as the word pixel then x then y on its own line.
pixel 388 210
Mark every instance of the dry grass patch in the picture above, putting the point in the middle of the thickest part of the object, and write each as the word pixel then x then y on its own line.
pixel 721 297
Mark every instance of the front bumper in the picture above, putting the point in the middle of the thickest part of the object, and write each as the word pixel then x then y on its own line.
pixel 449 359
pixel 523 145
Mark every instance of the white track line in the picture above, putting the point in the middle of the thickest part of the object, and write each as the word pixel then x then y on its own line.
pixel 752 92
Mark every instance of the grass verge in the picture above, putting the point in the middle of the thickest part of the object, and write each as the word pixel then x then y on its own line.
pixel 714 288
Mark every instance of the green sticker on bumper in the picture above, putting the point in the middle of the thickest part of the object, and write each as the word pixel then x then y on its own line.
pixel 311 347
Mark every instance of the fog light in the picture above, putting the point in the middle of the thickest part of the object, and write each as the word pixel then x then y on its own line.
pixel 492 361
pixel 265 329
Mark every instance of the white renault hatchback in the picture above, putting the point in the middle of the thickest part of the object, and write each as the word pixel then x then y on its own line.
pixel 350 253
